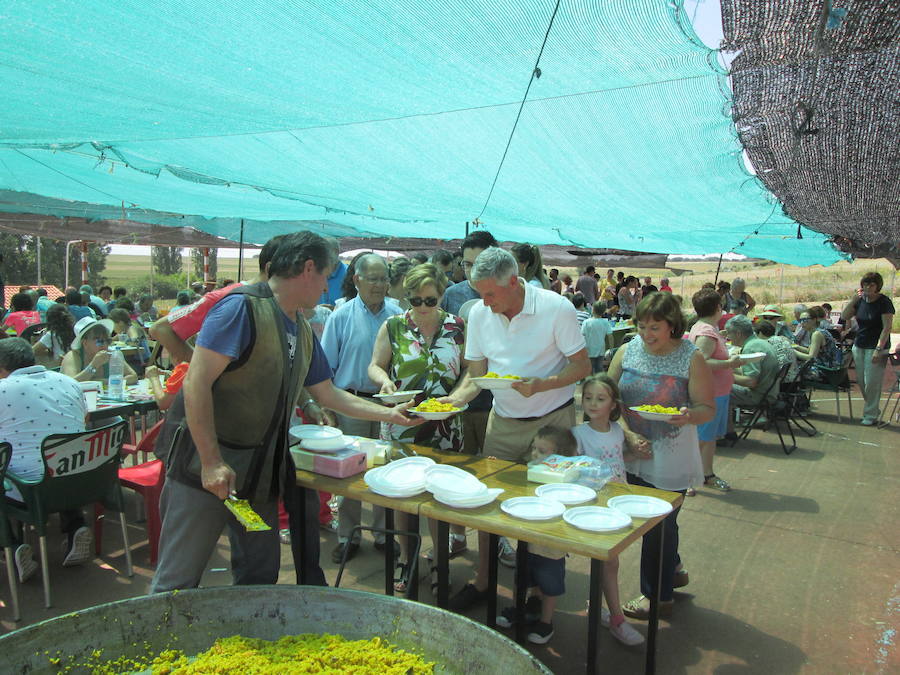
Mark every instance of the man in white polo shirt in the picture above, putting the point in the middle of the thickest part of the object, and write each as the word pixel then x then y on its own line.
pixel 522 330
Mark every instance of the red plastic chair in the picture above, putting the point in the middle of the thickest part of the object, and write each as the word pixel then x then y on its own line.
pixel 147 480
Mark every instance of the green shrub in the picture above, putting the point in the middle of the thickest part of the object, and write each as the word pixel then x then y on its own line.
pixel 164 287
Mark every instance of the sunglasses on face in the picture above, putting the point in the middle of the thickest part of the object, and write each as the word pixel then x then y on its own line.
pixel 416 301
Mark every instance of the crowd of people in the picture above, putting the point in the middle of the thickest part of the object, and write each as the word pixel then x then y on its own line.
pixel 313 334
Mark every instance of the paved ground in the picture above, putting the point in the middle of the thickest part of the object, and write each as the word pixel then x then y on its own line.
pixel 795 570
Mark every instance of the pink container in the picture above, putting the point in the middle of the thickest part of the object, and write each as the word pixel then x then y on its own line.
pixel 340 464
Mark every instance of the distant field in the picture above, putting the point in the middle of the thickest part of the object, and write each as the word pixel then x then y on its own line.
pixel 123 270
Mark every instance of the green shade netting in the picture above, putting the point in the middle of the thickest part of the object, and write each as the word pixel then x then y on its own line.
pixel 386 119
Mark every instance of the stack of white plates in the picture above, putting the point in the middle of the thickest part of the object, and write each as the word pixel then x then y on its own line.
pixel 317 438
pixel 400 479
pixel 567 493
pixel 455 487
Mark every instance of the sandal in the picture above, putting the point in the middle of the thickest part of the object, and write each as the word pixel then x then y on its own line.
pixel 716 483
pixel 401 579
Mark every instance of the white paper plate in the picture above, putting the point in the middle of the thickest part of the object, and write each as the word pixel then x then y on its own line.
pixel 453 481
pixel 752 356
pixel 378 485
pixel 404 474
pixel 329 446
pixel 566 493
pixel 494 382
pixel 597 519
pixel 303 432
pixel 398 396
pixel 470 503
pixel 436 415
pixel 533 508
pixel 640 506
pixel 654 416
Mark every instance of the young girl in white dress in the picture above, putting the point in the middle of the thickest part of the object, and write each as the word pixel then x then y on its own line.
pixel 603 439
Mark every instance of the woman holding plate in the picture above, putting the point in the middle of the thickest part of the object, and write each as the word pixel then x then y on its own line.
pixel 422 349
pixel 658 367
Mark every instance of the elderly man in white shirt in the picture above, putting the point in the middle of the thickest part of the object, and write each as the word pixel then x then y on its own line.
pixel 518 329
pixel 34 403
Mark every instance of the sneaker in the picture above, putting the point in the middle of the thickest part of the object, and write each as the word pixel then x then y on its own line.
pixel 285 536
pixel 680 579
pixel 639 608
pixel 868 422
pixel 468 597
pixel 25 563
pixel 506 554
pixel 458 544
pixel 627 634
pixel 80 550
pixel 540 633
pixel 533 606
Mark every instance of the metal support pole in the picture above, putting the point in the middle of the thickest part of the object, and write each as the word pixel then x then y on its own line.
pixel 84 262
pixel 241 253
pixel 205 264
pixel 37 247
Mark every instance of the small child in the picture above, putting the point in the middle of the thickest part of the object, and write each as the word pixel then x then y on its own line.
pixel 546 566
pixel 595 331
pixel 602 438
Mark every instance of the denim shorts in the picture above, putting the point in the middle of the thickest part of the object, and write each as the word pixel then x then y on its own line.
pixel 718 425
pixel 547 574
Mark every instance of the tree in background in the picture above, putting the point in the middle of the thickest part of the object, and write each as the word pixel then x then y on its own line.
pixel 166 259
pixel 197 257
pixel 20 261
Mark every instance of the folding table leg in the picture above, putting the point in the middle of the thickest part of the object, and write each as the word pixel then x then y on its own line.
pixel 521 588
pixel 413 591
pixel 45 570
pixel 442 557
pixel 594 611
pixel 650 666
pixel 493 546
pixel 388 552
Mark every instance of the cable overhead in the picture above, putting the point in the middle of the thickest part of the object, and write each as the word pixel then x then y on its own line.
pixel 535 74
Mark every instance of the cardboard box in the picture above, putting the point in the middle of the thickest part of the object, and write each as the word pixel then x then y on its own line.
pixel 340 464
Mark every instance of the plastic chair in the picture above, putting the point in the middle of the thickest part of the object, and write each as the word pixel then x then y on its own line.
pixel 6 538
pixel 147 480
pixel 837 381
pixel 775 412
pixel 895 389
pixel 79 469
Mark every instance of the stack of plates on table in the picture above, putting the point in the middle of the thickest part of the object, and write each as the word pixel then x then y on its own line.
pixel 640 506
pixel 317 438
pixel 533 508
pixel 455 487
pixel 567 493
pixel 400 479
pixel 597 519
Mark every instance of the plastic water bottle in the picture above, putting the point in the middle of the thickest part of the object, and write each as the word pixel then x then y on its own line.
pixel 116 387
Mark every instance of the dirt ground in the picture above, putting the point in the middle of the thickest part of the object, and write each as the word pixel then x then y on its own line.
pixel 796 570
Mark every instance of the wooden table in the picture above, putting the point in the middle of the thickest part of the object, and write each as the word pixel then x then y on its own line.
pixel 559 535
pixel 556 533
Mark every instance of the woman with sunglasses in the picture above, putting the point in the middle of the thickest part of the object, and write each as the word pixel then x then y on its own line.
pixel 88 355
pixel 422 349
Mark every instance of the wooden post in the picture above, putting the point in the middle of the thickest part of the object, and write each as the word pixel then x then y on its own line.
pixel 205 264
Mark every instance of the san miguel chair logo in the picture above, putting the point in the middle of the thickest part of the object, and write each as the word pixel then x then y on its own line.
pixel 83 453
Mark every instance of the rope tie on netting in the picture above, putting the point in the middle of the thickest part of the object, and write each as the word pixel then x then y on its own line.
pixel 535 74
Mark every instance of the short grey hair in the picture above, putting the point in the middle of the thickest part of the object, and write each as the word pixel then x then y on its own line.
pixel 86 288
pixel 738 282
pixel 15 353
pixel 800 308
pixel 494 263
pixel 739 324
pixel 369 259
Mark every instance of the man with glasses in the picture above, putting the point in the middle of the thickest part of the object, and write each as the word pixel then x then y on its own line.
pixel 348 342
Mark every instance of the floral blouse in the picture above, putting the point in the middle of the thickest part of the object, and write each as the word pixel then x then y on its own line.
pixel 435 369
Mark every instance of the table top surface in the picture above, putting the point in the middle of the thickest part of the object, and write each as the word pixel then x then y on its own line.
pixel 512 478
pixel 555 533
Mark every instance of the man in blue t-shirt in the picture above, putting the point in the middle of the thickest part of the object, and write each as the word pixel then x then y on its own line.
pixel 194 516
